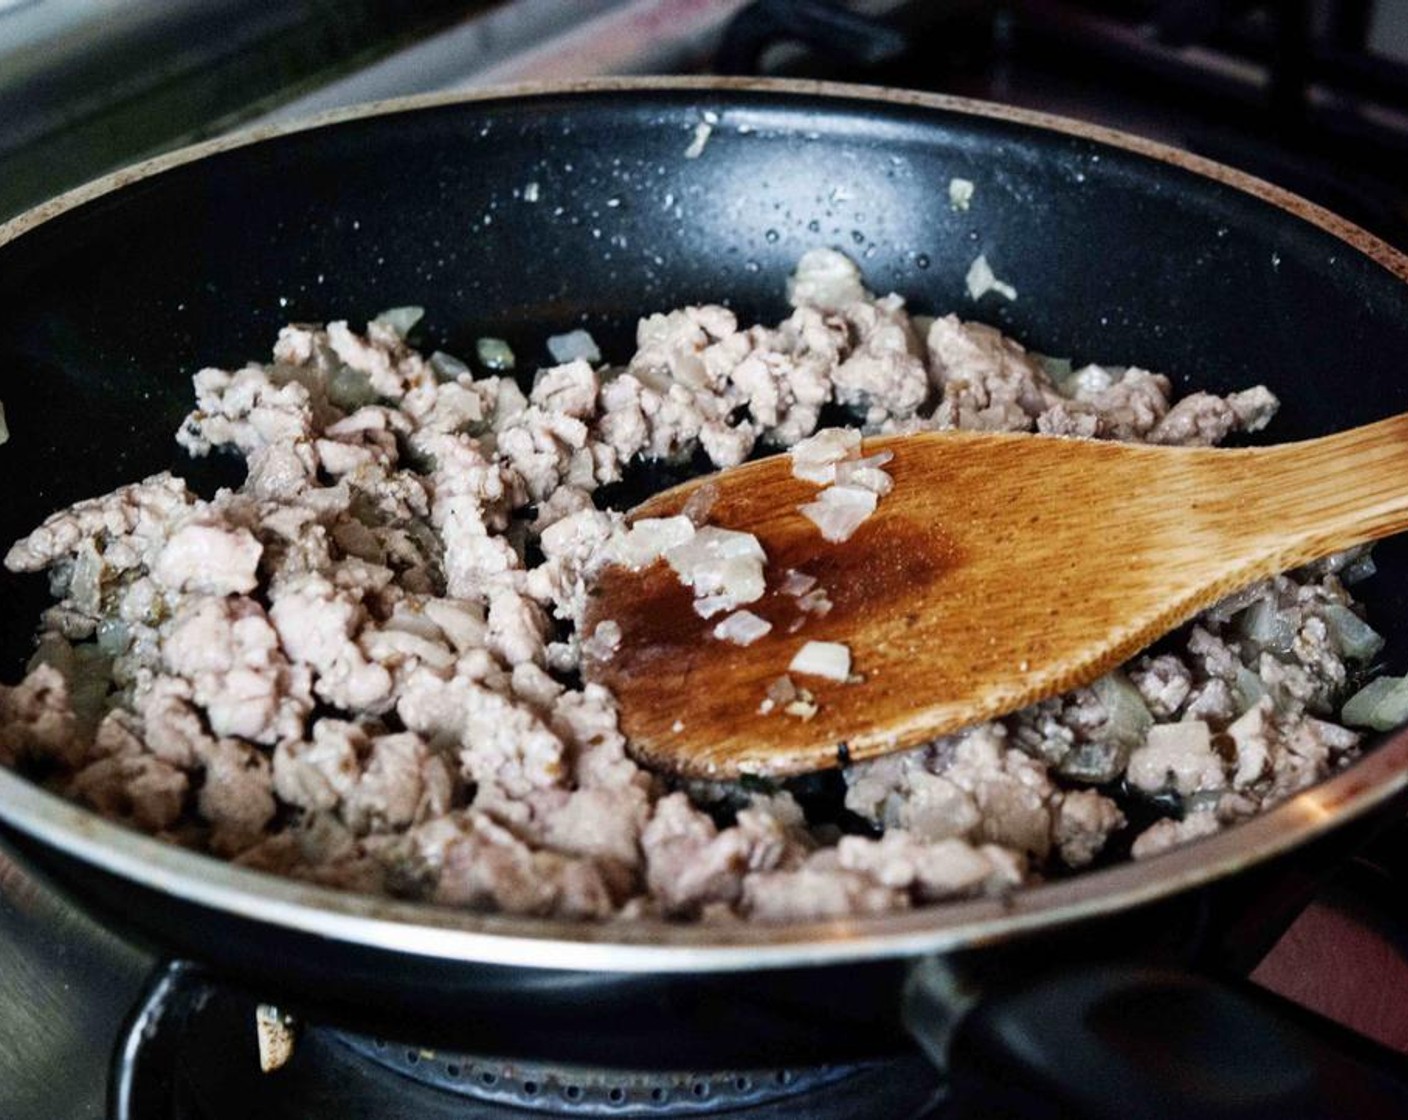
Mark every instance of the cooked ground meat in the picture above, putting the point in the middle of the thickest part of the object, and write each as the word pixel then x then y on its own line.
pixel 359 668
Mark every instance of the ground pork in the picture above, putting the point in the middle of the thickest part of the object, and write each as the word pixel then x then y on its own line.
pixel 360 668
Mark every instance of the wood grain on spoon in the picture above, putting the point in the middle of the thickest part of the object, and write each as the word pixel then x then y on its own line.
pixel 1001 569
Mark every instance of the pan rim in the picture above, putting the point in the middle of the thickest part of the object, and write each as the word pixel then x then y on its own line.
pixel 423 930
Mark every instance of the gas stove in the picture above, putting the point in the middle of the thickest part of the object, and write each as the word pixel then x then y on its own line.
pixel 1311 96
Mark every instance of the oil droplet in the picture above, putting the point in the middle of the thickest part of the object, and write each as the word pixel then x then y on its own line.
pixel 751 266
pixel 922 261
pixel 857 237
pixel 771 236
pixel 814 226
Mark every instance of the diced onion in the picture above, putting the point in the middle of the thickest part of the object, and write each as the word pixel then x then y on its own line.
pixel 720 562
pixel 1268 627
pixel 350 389
pixel 797 583
pixel 650 538
pixel 814 459
pixel 1360 568
pixel 707 606
pixel 1356 639
pixel 960 193
pixel 702 131
pixel 742 628
pixel 495 353
pixel 1058 369
pixel 866 473
pixel 447 367
pixel 1381 704
pixel 839 511
pixel 1127 719
pixel 981 280
pixel 782 691
pixel 400 319
pixel 831 660
pixel 1178 755
pixel 815 602
pixel 605 640
pixel 569 347
pixel 1249 688
pixel 697 507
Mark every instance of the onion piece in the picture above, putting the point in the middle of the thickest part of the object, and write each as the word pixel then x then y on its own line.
pixel 814 459
pixel 707 606
pixel 447 367
pixel 960 193
pixel 831 660
pixel 1380 705
pixel 1127 718
pixel 1360 568
pixel 400 319
pixel 720 562
pixel 866 473
pixel 815 601
pixel 1249 689
pixel 1179 755
pixel 742 628
pixel 839 511
pixel 649 539
pixel 604 642
pixel 981 279
pixel 494 353
pixel 782 690
pixel 1267 626
pixel 797 583
pixel 702 131
pixel 4 428
pixel 697 507
pixel 1356 639
pixel 569 347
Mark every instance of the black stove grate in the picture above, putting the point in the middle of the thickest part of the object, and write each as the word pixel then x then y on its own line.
pixel 190 1052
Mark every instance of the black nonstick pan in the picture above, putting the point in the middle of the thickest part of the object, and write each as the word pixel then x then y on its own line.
pixel 1122 251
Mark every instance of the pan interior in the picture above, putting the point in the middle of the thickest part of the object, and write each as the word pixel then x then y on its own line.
pixel 523 217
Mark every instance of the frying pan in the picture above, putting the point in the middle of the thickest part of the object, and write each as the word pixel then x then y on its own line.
pixel 1122 251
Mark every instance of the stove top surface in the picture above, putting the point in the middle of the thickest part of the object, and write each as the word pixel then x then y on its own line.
pixel 92 1027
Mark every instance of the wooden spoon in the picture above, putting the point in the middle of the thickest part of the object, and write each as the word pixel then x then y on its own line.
pixel 1000 569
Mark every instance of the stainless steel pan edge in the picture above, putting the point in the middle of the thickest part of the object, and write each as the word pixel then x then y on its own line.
pixel 657 946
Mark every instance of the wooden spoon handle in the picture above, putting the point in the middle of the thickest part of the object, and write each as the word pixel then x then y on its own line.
pixel 1323 495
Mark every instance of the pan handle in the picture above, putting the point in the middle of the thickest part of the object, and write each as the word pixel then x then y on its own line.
pixel 1118 1040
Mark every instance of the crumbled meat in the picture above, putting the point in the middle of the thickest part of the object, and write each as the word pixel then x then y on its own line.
pixel 932 870
pixel 1177 756
pixel 817 892
pixel 37 721
pixel 1168 833
pixel 361 668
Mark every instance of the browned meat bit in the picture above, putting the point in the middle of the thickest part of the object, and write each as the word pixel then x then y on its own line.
pixel 987 380
pixel 37 721
pixel 689 862
pixel 239 675
pixel 481 865
pixel 931 871
pixel 1169 833
pixel 122 780
pixel 236 796
pixel 817 891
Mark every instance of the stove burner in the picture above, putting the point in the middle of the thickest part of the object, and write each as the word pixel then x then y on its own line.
pixel 577 1091
pixel 190 1053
